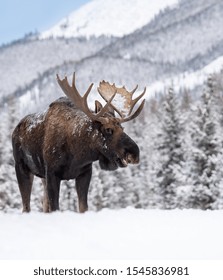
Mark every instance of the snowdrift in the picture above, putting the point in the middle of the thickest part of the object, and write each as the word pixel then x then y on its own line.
pixel 113 234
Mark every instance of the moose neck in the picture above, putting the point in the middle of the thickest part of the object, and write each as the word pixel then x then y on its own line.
pixel 85 132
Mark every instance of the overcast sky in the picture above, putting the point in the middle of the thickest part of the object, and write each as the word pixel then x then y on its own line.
pixel 19 17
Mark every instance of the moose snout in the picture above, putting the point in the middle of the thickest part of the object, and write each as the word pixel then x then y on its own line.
pixel 131 151
pixel 132 159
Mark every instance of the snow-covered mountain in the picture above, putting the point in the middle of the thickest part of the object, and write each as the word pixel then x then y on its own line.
pixel 110 17
pixel 170 47
pixel 181 39
pixel 187 80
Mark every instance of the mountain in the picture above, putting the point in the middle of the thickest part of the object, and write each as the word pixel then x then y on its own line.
pixel 24 62
pixel 111 17
pixel 178 40
pixel 176 43
pixel 179 37
pixel 183 39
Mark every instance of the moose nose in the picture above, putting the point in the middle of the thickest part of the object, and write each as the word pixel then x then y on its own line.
pixel 132 153
pixel 130 149
pixel 132 159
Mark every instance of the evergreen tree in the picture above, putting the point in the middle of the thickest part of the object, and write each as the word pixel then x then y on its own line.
pixel 169 175
pixel 206 152
pixel 186 100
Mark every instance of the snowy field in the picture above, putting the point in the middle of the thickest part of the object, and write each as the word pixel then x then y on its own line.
pixel 113 234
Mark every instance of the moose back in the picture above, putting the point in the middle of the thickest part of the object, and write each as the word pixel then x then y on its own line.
pixel 63 142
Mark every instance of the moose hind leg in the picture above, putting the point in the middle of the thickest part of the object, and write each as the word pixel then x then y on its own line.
pixel 46 205
pixel 52 191
pixel 25 181
pixel 82 186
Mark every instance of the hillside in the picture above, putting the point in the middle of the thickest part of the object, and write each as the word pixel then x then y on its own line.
pixel 176 36
pixel 33 58
pixel 23 63
pixel 171 44
pixel 110 18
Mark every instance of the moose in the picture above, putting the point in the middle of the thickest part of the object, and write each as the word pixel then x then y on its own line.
pixel 63 142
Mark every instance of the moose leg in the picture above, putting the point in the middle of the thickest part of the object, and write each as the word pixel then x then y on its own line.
pixel 82 186
pixel 53 191
pixel 25 181
pixel 46 205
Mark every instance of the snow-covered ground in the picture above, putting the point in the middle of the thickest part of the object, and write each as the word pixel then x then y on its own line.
pixel 113 234
pixel 110 17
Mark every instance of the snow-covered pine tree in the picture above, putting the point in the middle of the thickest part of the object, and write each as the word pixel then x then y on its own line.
pixel 186 99
pixel 170 151
pixel 206 152
pixel 9 192
pixel 218 86
pixel 5 141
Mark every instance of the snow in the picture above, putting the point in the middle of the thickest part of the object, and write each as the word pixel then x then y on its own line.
pixel 188 80
pixel 112 234
pixel 34 120
pixel 119 103
pixel 110 17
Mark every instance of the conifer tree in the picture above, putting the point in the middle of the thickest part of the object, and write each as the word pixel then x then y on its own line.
pixel 170 151
pixel 206 152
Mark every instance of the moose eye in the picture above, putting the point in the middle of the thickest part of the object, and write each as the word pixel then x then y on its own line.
pixel 109 131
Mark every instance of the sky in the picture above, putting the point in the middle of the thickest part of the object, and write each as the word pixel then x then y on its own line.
pixel 20 17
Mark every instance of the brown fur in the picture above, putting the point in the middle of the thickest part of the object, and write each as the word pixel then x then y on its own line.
pixel 62 144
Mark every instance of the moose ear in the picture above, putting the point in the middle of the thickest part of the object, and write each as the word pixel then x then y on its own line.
pixel 98 106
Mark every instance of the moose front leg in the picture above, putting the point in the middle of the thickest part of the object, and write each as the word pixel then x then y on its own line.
pixel 25 181
pixel 52 191
pixel 82 186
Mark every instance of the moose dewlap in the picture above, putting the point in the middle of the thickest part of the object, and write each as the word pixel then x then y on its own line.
pixel 64 141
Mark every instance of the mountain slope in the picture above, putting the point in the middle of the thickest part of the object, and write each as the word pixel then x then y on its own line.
pixel 176 37
pixel 176 43
pixel 110 17
pixel 184 39
pixel 179 40
pixel 24 62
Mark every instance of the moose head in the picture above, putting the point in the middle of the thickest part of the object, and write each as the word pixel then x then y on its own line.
pixel 63 142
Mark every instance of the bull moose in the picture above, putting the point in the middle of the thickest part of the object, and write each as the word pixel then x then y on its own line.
pixel 63 142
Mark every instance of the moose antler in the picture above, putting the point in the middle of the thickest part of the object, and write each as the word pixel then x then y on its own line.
pixel 123 104
pixel 81 102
